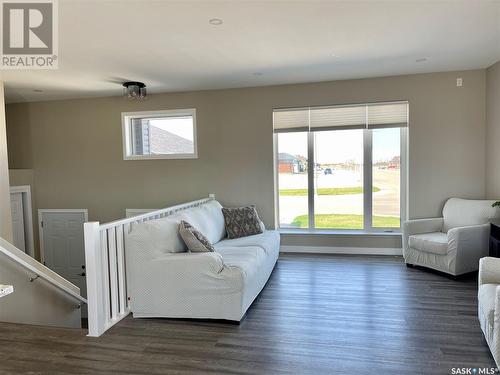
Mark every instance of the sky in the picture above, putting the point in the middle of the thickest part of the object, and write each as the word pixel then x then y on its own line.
pixel 338 146
pixel 181 126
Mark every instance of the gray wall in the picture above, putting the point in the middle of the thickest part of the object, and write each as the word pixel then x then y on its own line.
pixel 493 131
pixel 75 146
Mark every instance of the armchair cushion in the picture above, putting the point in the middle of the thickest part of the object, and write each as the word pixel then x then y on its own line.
pixel 435 242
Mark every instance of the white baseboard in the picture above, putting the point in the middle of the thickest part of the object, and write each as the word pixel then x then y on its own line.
pixel 341 250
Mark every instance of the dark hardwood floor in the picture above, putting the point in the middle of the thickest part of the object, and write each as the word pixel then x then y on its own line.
pixel 317 315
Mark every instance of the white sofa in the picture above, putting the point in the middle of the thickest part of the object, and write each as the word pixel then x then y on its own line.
pixel 489 303
pixel 453 243
pixel 164 280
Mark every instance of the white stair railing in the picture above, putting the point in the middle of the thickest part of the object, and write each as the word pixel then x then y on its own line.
pixel 105 266
pixel 40 271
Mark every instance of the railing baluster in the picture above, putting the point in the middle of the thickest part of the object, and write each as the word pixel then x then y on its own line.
pixel 105 273
pixel 120 253
pixel 113 274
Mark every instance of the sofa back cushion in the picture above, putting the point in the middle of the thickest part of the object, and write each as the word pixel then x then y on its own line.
pixel 154 238
pixel 157 237
pixel 207 218
pixel 459 212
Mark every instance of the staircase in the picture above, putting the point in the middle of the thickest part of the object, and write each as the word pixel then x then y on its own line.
pixel 41 296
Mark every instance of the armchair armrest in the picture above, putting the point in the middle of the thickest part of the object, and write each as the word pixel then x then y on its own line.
pixel 419 226
pixel 469 245
pixel 489 270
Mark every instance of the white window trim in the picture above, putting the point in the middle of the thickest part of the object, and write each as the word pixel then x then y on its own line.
pixel 126 116
pixel 367 196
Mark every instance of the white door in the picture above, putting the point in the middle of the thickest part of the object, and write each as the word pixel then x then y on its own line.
pixel 63 246
pixel 17 210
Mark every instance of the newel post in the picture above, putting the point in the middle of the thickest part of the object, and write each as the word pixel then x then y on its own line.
pixel 95 280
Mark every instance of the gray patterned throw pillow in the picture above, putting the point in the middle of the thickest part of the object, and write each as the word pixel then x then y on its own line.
pixel 241 221
pixel 195 241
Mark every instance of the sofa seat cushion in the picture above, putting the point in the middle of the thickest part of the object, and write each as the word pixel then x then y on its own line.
pixel 487 297
pixel 269 241
pixel 435 242
pixel 249 260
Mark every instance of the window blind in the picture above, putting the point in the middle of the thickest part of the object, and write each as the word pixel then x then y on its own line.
pixel 291 120
pixel 393 115
pixel 337 118
pixel 362 116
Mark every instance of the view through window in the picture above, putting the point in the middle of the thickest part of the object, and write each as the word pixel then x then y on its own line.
pixel 168 134
pixel 353 179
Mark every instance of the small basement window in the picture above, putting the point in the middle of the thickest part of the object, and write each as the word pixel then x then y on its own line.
pixel 159 134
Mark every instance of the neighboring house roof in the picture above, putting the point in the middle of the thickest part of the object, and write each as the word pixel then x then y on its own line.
pixel 164 142
pixel 283 156
pixel 289 158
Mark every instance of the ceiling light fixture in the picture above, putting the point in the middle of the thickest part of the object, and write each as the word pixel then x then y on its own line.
pixel 422 59
pixel 215 21
pixel 134 90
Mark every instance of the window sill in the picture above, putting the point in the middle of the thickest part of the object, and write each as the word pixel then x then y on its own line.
pixel 338 232
pixel 160 157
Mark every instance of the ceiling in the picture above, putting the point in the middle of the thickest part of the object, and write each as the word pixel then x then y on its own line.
pixel 171 46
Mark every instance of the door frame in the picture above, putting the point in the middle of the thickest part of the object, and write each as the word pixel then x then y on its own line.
pixel 41 211
pixel 25 191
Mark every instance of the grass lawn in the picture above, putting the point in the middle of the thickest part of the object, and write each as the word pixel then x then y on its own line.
pixel 327 191
pixel 339 221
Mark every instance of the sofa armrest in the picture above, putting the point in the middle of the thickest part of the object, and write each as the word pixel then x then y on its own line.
pixel 489 270
pixel 210 262
pixel 419 226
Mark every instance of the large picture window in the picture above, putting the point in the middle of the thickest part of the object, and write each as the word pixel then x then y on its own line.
pixel 341 167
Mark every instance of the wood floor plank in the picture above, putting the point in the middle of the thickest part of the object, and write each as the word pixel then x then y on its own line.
pixel 319 314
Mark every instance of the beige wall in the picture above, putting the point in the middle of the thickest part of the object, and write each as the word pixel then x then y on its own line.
pixel 5 215
pixel 75 146
pixel 37 302
pixel 493 131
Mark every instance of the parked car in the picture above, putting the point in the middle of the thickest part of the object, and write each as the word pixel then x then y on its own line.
pixel 328 171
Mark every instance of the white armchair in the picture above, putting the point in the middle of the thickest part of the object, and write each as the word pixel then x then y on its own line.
pixel 453 243
pixel 489 303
